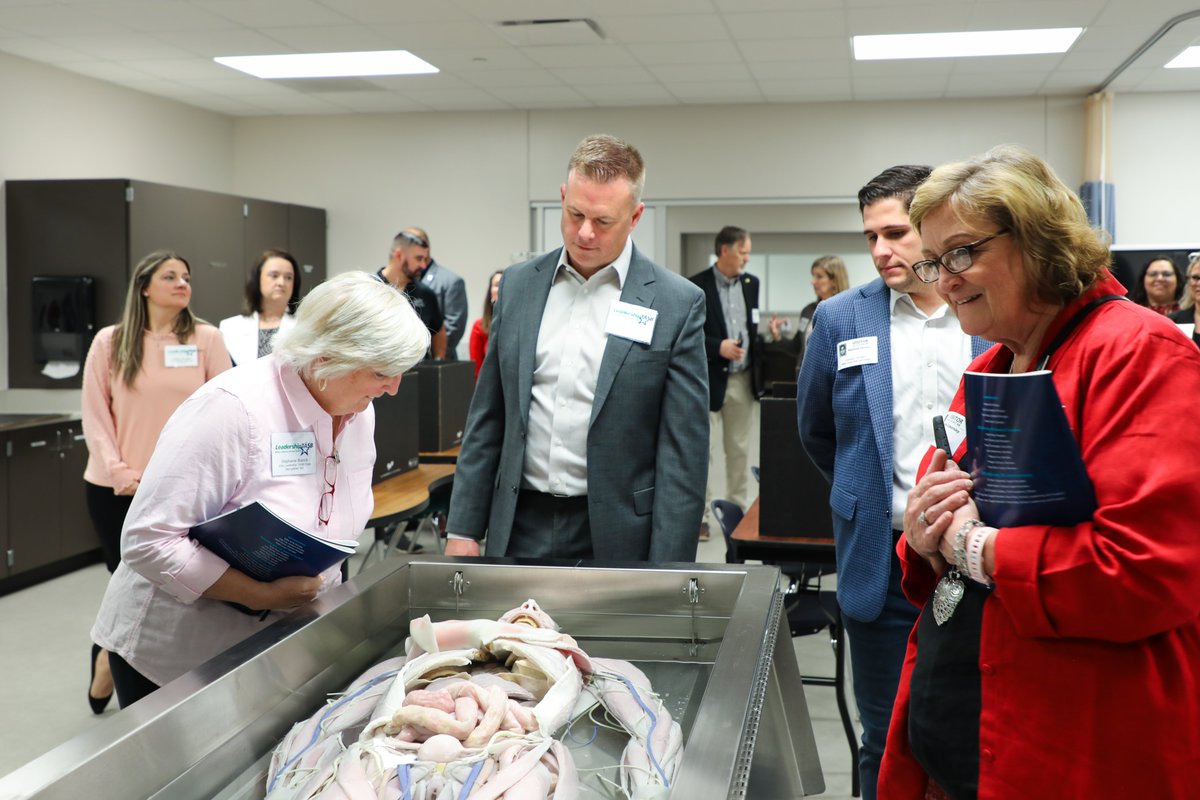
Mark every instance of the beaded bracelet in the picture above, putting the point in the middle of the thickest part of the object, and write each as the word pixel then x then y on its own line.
pixel 975 544
pixel 960 544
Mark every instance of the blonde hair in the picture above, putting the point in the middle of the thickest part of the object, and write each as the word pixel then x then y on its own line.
pixel 130 332
pixel 1188 301
pixel 835 268
pixel 353 321
pixel 603 158
pixel 1010 189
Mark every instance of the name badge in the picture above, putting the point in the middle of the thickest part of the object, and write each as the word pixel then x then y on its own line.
pixel 293 453
pixel 855 352
pixel 956 430
pixel 754 316
pixel 181 355
pixel 631 322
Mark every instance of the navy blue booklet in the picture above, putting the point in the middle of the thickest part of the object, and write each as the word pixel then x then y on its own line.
pixel 1027 466
pixel 266 547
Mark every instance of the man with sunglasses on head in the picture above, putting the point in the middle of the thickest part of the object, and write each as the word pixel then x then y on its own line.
pixel 882 360
pixel 407 261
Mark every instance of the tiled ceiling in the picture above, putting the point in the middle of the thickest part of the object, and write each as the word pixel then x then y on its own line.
pixel 651 52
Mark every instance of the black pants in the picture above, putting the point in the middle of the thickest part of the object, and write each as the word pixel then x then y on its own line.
pixel 545 526
pixel 107 511
pixel 130 684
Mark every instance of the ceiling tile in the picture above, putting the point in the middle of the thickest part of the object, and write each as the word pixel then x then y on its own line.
pixel 467 33
pixel 624 94
pixel 113 73
pixel 800 70
pixel 157 16
pixel 787 24
pixel 265 13
pixel 639 7
pixel 600 76
pixel 388 11
pixel 685 73
pixel 543 97
pixel 55 20
pixel 599 55
pixel 42 50
pixel 343 39
pixel 801 91
pixel 513 78
pixel 373 102
pixel 181 69
pixel 665 28
pixel 773 5
pixel 909 18
pixel 766 51
pixel 716 92
pixel 115 47
pixel 1007 65
pixel 415 83
pixel 686 53
pixel 522 9
pixel 230 42
pixel 475 59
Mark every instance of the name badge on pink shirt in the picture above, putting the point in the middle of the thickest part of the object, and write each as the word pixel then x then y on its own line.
pixel 293 453
pixel 181 355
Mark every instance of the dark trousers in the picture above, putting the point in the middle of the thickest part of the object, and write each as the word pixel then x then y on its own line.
pixel 545 526
pixel 876 657
pixel 130 684
pixel 107 511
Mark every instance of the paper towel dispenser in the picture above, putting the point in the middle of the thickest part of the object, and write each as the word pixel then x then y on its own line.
pixel 64 318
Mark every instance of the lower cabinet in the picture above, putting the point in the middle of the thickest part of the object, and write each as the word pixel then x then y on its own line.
pixel 45 511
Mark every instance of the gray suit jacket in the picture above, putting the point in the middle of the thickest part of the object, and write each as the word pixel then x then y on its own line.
pixel 451 293
pixel 647 446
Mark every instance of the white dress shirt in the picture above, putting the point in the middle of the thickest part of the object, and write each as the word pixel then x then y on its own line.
pixel 570 346
pixel 929 354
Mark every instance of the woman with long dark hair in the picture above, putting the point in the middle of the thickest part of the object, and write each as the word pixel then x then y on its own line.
pixel 272 294
pixel 136 374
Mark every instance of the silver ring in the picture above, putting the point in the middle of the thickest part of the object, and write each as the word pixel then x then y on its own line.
pixel 921 519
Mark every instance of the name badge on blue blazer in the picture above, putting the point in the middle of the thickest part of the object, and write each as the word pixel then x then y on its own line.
pixel 855 352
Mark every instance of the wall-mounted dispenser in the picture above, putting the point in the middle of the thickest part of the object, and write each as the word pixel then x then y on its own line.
pixel 64 322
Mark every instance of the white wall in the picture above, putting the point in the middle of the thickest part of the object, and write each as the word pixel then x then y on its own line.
pixel 469 177
pixel 54 124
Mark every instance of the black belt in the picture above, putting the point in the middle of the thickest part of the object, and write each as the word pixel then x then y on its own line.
pixel 546 497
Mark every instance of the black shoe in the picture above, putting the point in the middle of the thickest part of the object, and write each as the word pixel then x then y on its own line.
pixel 98 704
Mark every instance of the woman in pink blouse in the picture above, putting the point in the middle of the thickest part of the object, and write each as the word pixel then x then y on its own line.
pixel 294 431
pixel 137 373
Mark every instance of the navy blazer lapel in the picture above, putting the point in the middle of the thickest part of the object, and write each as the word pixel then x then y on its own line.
pixel 530 324
pixel 872 315
pixel 639 291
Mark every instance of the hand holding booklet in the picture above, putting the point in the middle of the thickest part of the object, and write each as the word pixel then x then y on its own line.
pixel 1027 465
pixel 266 547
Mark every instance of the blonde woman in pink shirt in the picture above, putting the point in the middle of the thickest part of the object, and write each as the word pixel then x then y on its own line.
pixel 293 430
pixel 137 373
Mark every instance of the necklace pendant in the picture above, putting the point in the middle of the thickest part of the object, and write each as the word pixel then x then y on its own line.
pixel 946 596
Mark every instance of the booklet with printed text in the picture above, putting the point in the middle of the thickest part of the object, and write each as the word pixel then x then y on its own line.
pixel 1027 466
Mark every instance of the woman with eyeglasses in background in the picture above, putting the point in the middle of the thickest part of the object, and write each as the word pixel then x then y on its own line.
pixel 1189 306
pixel 1159 286
pixel 1051 660
pixel 163 614
pixel 136 374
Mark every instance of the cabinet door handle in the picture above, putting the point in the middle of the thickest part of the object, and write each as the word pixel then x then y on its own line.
pixel 79 437
pixel 42 443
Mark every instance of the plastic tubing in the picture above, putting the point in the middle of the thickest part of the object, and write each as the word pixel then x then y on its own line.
pixel 321 724
pixel 653 724
pixel 469 783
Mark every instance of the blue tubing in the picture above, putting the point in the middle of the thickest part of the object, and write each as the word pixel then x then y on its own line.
pixel 653 725
pixel 469 784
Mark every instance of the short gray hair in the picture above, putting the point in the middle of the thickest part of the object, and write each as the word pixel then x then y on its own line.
pixel 350 322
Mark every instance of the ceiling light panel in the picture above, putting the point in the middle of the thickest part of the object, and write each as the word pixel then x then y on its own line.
pixel 330 65
pixel 963 44
pixel 1188 59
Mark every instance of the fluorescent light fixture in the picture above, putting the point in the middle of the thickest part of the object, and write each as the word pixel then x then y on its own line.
pixel 330 65
pixel 964 44
pixel 1188 59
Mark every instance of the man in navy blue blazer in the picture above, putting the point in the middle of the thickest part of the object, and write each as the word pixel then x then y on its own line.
pixel 882 359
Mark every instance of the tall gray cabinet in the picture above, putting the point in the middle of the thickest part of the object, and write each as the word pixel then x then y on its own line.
pixel 102 227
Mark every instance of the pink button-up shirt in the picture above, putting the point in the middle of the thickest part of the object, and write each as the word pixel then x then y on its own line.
pixel 214 455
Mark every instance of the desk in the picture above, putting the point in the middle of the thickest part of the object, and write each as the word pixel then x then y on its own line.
pixel 441 456
pixel 403 496
pixel 748 543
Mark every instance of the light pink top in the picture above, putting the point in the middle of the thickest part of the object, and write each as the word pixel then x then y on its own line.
pixel 122 423
pixel 214 455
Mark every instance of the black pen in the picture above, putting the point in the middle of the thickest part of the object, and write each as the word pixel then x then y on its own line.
pixel 940 440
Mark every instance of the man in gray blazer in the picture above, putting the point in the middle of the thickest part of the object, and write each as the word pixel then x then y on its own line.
pixel 451 293
pixel 588 431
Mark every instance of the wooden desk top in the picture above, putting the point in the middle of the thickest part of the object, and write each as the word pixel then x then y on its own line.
pixel 405 495
pixel 749 543
pixel 440 456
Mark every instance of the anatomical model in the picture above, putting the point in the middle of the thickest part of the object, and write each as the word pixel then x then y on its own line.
pixel 472 711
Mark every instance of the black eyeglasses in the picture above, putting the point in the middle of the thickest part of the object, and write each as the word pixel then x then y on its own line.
pixel 325 506
pixel 953 261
